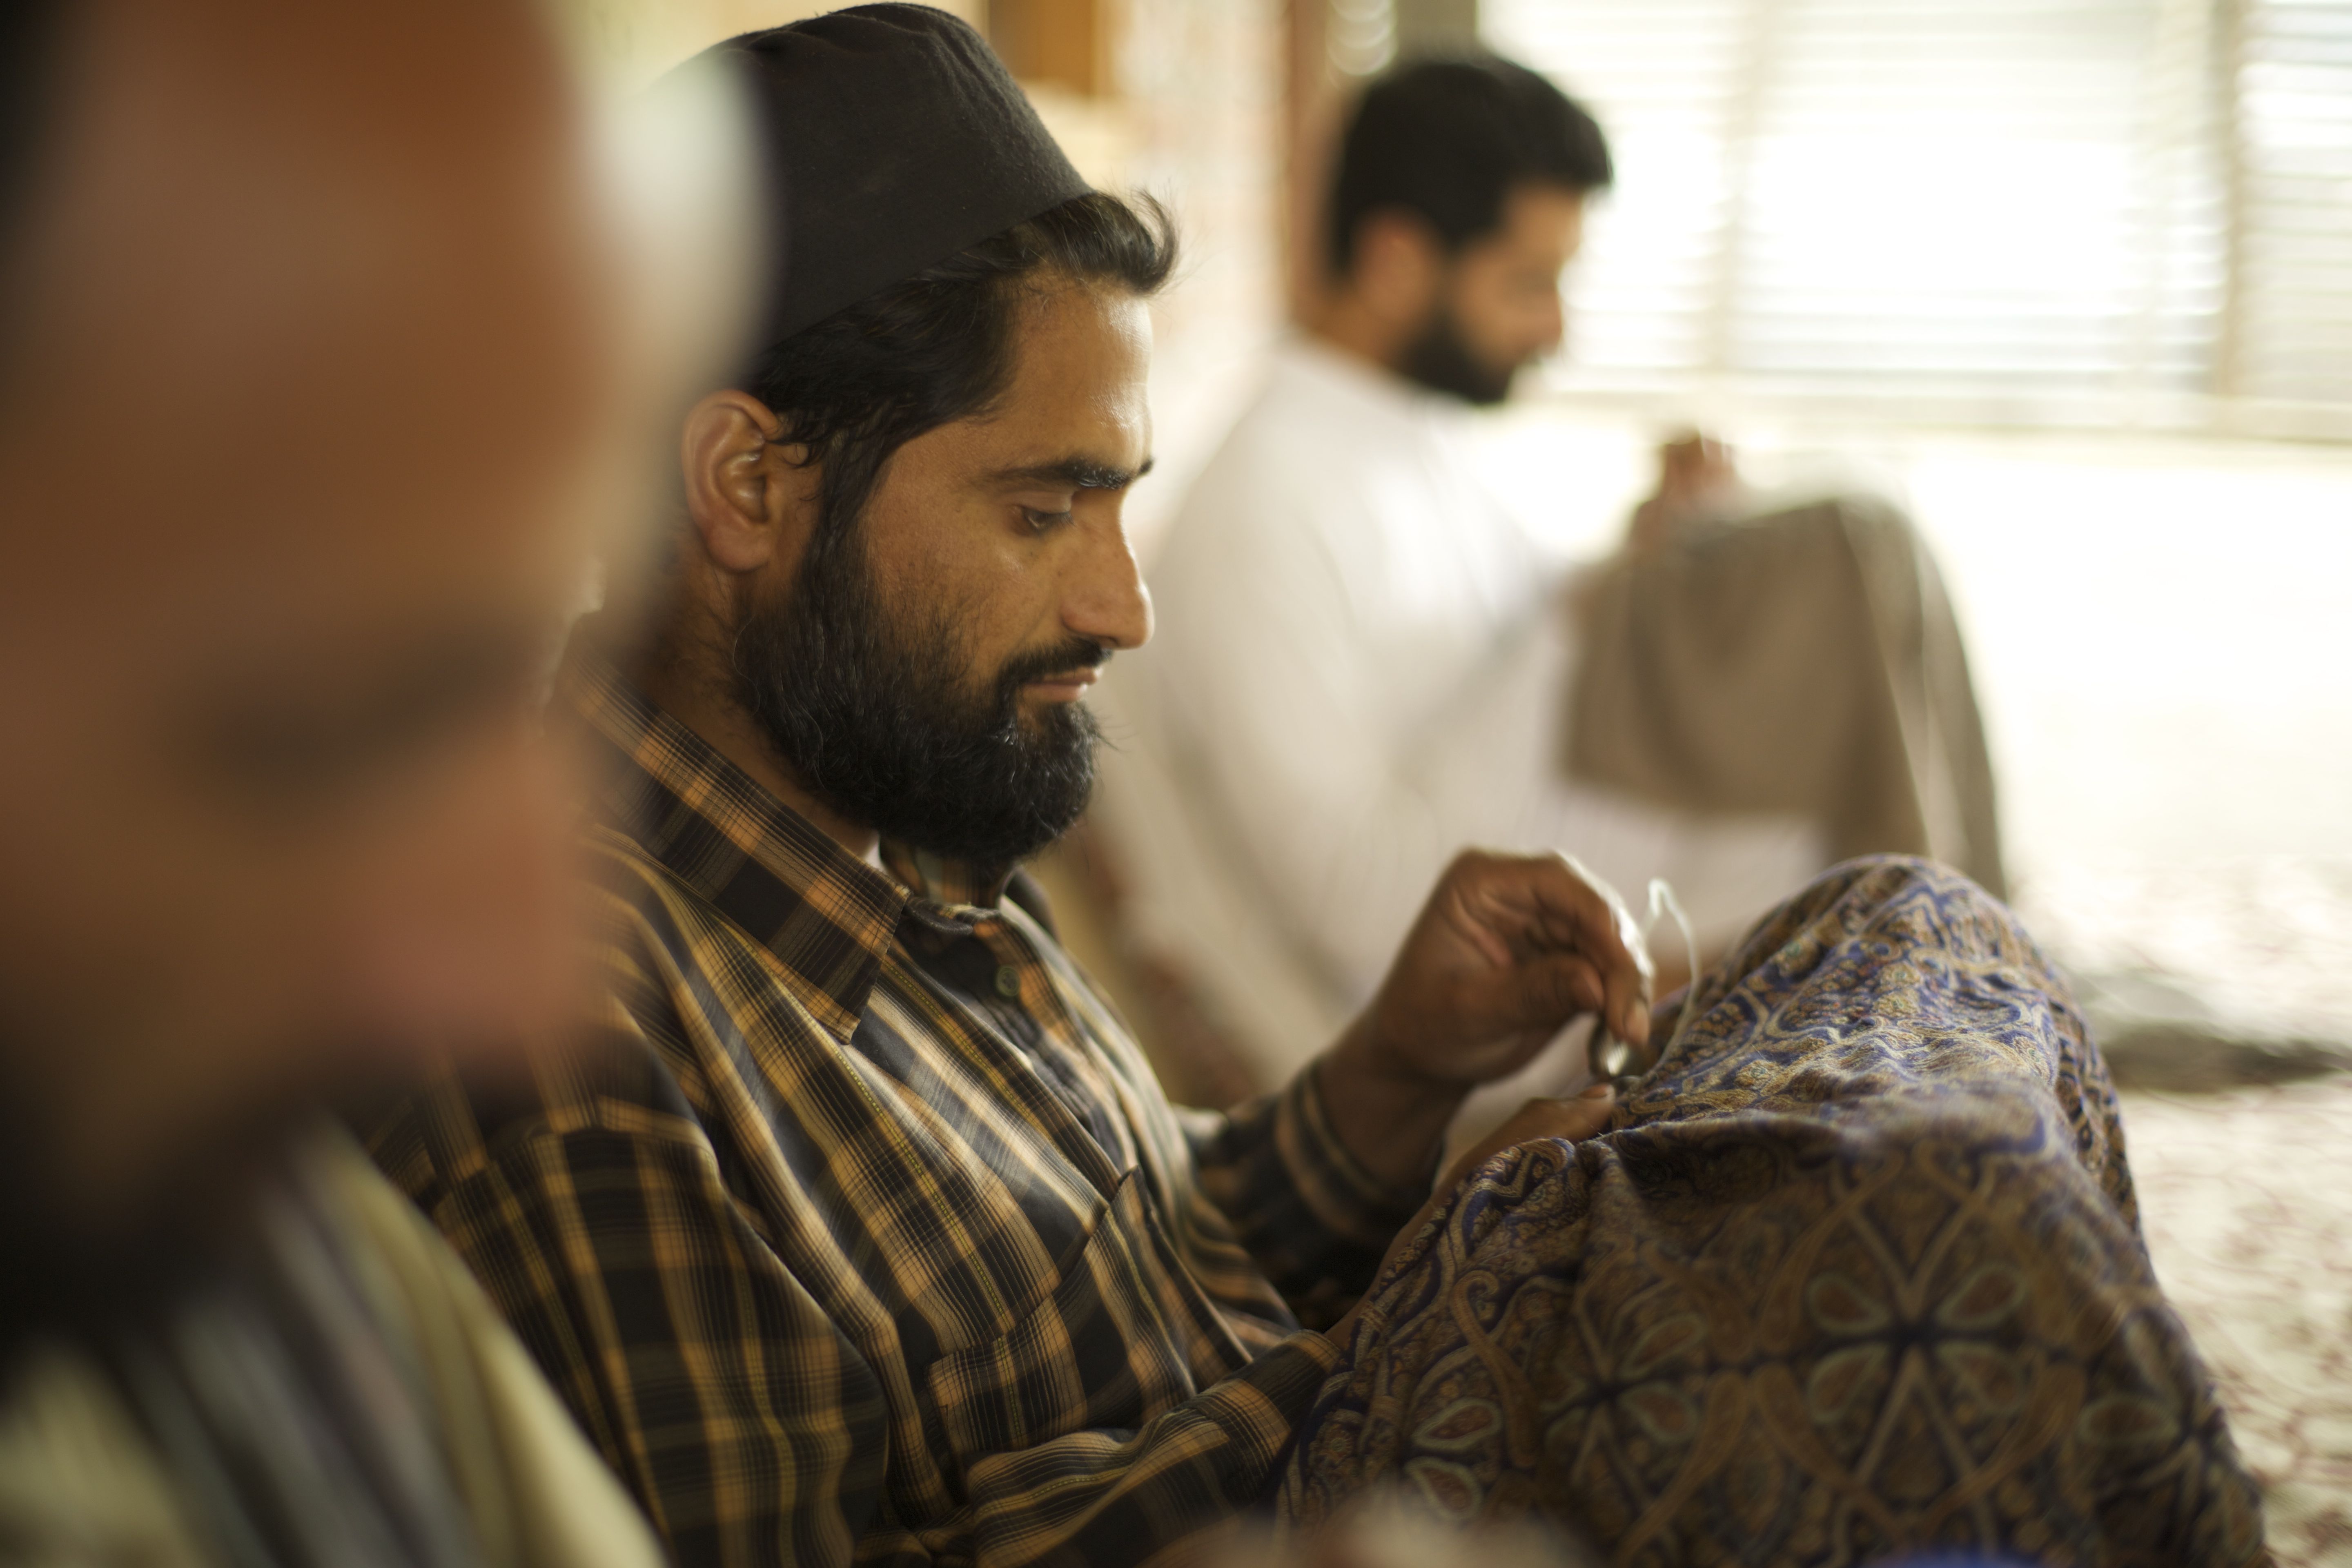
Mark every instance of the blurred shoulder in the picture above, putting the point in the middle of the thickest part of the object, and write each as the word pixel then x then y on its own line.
pixel 1316 405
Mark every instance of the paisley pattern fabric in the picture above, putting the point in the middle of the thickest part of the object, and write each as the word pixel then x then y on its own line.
pixel 1856 1273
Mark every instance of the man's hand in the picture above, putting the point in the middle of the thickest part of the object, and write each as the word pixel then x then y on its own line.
pixel 1573 1120
pixel 1508 948
pixel 1699 478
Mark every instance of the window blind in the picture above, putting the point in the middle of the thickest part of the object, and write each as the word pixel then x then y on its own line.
pixel 2104 212
pixel 2292 236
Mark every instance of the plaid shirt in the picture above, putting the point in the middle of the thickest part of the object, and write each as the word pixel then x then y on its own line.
pixel 861 1229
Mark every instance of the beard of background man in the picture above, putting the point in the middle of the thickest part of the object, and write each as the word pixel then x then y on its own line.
pixel 1442 360
pixel 878 714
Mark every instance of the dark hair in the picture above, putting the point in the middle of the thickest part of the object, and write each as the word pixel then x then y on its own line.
pixel 29 32
pixel 866 380
pixel 1447 140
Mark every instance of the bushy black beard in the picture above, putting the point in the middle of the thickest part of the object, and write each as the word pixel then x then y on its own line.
pixel 1442 360
pixel 881 722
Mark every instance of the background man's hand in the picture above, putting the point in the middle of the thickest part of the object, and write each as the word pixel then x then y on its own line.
pixel 1508 948
pixel 1699 478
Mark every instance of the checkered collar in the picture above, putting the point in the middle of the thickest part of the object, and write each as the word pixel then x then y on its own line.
pixel 826 915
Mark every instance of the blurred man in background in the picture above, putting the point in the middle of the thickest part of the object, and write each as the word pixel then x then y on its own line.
pixel 1364 662
pixel 316 344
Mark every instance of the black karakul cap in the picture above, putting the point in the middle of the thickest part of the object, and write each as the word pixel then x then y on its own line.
pixel 898 138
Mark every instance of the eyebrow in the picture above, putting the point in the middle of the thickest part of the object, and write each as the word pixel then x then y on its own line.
pixel 1079 473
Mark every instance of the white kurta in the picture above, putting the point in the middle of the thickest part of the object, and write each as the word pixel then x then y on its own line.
pixel 1359 668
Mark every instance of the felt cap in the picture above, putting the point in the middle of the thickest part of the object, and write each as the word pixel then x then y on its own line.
pixel 898 138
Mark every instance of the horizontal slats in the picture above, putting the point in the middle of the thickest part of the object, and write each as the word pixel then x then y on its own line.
pixel 2012 203
pixel 2294 96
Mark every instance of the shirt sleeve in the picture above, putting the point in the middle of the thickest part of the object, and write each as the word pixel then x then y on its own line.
pixel 737 1413
pixel 1112 1499
pixel 1307 1211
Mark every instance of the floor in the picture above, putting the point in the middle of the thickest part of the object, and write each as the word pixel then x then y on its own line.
pixel 2245 1188
pixel 2246 1197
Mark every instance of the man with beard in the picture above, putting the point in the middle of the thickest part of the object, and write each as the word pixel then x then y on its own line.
pixel 859 1226
pixel 859 1230
pixel 1360 656
pixel 310 397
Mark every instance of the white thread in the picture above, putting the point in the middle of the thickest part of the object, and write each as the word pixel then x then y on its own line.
pixel 1663 902
pixel 1603 1052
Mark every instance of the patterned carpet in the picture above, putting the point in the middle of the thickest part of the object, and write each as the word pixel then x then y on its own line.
pixel 2245 1188
pixel 2199 976
pixel 2247 1200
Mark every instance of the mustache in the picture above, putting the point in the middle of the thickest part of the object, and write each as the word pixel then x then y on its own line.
pixel 1078 653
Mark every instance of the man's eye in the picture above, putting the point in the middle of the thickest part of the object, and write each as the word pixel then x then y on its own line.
pixel 1042 521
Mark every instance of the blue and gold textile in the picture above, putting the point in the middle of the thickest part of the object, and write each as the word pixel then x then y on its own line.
pixel 1856 1274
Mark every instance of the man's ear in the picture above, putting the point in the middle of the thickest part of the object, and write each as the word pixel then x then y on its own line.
pixel 1399 265
pixel 753 496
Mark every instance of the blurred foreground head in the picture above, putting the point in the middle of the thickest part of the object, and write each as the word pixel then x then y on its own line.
pixel 1458 200
pixel 320 334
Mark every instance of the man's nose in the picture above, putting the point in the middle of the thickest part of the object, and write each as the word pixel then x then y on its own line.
pixel 1554 324
pixel 1104 598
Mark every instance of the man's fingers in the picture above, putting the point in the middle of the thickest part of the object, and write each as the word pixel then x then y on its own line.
pixel 1544 992
pixel 1570 911
pixel 1545 901
pixel 1585 1116
pixel 1623 970
pixel 1576 1118
pixel 1507 949
pixel 1523 909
